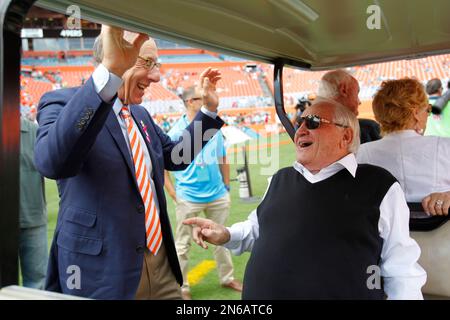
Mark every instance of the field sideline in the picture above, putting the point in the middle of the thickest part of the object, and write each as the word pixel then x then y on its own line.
pixel 208 286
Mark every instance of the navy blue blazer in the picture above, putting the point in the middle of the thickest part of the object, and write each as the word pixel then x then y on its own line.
pixel 100 232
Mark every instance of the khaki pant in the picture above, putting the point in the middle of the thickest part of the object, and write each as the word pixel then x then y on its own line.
pixel 157 279
pixel 218 211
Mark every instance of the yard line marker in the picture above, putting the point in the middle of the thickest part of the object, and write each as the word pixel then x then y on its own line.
pixel 200 271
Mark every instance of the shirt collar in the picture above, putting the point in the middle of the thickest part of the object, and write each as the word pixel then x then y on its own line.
pixel 185 119
pixel 117 106
pixel 348 162
pixel 403 133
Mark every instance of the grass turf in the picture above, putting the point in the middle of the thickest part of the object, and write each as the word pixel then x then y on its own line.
pixel 259 155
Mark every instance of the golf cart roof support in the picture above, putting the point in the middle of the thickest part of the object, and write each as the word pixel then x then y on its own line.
pixel 12 14
pixel 278 97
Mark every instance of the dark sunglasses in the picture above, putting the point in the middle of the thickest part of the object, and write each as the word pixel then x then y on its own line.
pixel 313 122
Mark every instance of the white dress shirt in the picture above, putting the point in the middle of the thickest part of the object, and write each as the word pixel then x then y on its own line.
pixel 403 276
pixel 106 85
pixel 420 164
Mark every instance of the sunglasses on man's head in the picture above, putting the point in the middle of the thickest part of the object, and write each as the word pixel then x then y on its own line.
pixel 313 122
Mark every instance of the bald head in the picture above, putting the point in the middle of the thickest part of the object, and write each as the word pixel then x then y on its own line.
pixel 340 86
pixel 148 48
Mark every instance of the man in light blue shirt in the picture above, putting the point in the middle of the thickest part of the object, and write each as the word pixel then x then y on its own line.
pixel 202 187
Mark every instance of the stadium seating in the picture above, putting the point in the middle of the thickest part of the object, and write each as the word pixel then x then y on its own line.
pixel 239 88
pixel 191 58
pixel 234 83
pixel 75 61
pixel 298 83
pixel 34 89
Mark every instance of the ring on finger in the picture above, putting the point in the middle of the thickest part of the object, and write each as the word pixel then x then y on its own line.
pixel 439 203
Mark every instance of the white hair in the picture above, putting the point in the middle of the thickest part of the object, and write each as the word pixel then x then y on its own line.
pixel 98 51
pixel 329 84
pixel 343 116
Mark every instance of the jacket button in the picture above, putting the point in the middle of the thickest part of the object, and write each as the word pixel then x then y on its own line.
pixel 141 208
pixel 140 249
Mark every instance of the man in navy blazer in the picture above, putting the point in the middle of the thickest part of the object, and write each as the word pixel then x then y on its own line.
pixel 99 247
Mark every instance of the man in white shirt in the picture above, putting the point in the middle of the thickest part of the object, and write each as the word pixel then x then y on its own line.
pixel 327 227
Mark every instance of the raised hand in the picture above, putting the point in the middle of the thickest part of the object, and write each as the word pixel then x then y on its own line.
pixel 119 55
pixel 207 230
pixel 208 81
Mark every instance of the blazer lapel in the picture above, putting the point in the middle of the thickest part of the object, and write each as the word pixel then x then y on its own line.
pixel 114 129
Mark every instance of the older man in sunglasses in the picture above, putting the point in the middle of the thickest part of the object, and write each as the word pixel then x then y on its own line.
pixel 327 228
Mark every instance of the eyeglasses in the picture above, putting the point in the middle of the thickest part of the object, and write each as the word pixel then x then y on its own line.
pixel 193 99
pixel 150 63
pixel 313 122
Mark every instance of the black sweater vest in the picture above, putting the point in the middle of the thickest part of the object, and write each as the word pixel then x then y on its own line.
pixel 316 241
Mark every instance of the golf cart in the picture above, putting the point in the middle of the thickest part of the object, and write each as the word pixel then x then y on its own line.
pixel 307 34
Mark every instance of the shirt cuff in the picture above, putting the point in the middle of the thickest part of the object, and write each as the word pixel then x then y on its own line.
pixel 234 241
pixel 208 113
pixel 106 83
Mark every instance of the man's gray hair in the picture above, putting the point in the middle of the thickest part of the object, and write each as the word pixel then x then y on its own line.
pixel 98 51
pixel 342 115
pixel 329 84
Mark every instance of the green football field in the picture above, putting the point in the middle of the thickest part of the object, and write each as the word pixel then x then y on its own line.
pixel 265 157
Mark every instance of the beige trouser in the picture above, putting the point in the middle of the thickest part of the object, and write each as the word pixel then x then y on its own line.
pixel 217 211
pixel 157 279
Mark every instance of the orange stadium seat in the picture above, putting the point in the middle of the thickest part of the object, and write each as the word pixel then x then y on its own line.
pixel 239 88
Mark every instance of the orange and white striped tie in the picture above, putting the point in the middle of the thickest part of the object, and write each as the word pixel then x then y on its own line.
pixel 153 234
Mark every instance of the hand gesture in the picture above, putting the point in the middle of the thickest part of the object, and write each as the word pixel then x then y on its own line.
pixel 119 55
pixel 208 81
pixel 437 203
pixel 205 229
